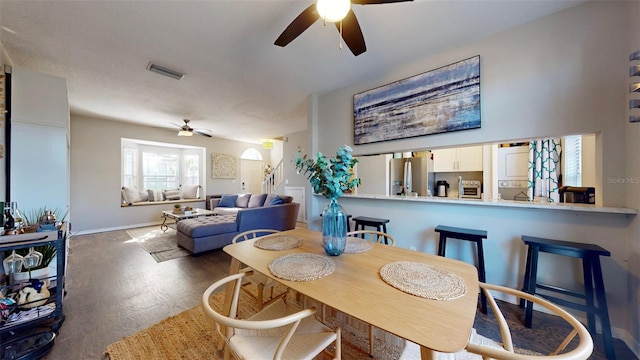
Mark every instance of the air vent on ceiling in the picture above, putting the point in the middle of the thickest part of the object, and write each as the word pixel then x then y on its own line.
pixel 164 71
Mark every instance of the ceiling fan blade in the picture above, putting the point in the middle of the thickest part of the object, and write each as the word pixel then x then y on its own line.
pixel 174 124
pixel 298 26
pixel 374 2
pixel 201 133
pixel 352 34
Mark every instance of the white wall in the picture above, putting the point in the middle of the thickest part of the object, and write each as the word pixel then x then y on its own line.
pixel 95 172
pixel 564 74
pixel 2 128
pixel 39 141
pixel 588 160
pixel 373 172
pixel 297 140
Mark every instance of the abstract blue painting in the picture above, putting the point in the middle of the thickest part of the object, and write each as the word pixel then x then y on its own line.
pixel 442 100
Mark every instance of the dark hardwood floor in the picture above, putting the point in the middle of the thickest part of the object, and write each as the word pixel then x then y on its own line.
pixel 115 288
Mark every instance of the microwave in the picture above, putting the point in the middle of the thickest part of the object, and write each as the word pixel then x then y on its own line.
pixel 580 195
pixel 471 189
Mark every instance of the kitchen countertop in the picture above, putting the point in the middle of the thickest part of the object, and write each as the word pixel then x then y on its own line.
pixel 503 203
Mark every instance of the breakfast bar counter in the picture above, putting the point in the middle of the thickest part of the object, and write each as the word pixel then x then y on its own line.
pixel 571 207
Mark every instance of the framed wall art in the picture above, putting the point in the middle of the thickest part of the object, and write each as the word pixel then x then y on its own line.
pixel 223 166
pixel 441 100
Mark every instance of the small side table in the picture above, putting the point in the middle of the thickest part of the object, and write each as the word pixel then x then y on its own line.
pixel 166 214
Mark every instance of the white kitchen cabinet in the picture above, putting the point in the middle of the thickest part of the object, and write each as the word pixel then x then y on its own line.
pixel 458 159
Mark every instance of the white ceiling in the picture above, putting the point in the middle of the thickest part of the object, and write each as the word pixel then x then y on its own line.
pixel 237 83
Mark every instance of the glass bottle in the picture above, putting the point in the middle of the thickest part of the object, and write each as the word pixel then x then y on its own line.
pixel 9 222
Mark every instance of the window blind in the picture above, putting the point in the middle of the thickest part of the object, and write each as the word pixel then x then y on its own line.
pixel 573 160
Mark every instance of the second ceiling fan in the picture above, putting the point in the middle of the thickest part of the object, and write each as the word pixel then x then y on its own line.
pixel 186 130
pixel 335 11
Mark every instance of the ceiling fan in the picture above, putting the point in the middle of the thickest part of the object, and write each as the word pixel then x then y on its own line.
pixel 335 11
pixel 186 130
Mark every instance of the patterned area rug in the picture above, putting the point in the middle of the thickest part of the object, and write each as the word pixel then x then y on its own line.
pixel 160 245
pixel 190 335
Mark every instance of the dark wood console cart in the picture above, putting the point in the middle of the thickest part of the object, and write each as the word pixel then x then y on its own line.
pixel 47 319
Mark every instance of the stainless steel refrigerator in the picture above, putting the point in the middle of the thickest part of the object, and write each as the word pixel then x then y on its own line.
pixel 413 174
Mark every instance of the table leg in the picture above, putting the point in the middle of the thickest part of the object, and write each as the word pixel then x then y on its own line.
pixel 164 227
pixel 427 354
pixel 228 297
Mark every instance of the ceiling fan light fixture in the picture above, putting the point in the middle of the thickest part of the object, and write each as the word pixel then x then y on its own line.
pixel 185 133
pixel 333 10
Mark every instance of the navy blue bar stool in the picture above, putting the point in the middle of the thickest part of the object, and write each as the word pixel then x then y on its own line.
pixel 594 301
pixel 362 221
pixel 468 235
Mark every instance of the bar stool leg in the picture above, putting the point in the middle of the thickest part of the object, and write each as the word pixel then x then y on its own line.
pixel 531 285
pixel 482 275
pixel 589 295
pixel 603 311
pixel 527 273
pixel 442 244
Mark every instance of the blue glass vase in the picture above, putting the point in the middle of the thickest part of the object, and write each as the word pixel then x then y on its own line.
pixel 334 228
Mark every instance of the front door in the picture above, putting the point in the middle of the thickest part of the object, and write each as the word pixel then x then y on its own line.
pixel 251 176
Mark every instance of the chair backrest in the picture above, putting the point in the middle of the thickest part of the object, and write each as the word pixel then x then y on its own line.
pixel 373 235
pixel 480 347
pixel 583 349
pixel 231 323
pixel 252 234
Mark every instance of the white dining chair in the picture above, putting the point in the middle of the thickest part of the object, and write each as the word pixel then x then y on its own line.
pixel 260 281
pixel 278 331
pixel 381 238
pixel 480 347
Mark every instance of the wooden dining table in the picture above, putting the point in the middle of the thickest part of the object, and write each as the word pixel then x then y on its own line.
pixel 357 289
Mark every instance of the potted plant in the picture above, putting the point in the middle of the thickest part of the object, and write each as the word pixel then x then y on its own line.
pixel 331 178
pixel 34 217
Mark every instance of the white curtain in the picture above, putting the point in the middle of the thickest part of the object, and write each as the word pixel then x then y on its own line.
pixel 544 167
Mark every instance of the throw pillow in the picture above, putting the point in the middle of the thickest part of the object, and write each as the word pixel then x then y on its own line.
pixel 243 200
pixel 123 200
pixel 189 191
pixel 173 194
pixel 269 199
pixel 228 201
pixel 144 196
pixel 257 200
pixel 130 195
pixel 155 195
pixel 286 198
pixel 276 200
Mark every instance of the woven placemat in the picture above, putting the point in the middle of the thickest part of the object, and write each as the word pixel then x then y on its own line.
pixel 278 242
pixel 423 280
pixel 357 245
pixel 301 267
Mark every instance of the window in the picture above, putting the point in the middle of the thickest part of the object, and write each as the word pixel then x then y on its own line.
pixel 128 166
pixel 251 154
pixel 160 166
pixel 572 160
pixel 160 169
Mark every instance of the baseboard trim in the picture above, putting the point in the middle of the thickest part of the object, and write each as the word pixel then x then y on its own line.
pixel 125 227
